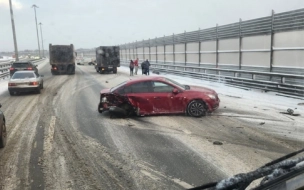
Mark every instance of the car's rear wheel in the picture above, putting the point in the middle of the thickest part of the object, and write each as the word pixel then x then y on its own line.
pixel 41 86
pixel 196 108
pixel 2 135
pixel 38 91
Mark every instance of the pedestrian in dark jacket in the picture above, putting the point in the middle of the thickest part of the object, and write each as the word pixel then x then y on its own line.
pixel 142 68
pixel 131 67
pixel 147 63
pixel 145 67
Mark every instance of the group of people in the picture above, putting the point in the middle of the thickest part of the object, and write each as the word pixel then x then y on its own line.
pixel 144 67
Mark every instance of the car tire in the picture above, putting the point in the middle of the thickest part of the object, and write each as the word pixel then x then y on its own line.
pixel 38 91
pixel 115 70
pixel 128 109
pixel 3 135
pixel 100 111
pixel 196 108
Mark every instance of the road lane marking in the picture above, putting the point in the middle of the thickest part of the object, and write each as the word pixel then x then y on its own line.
pixel 156 175
pixel 182 183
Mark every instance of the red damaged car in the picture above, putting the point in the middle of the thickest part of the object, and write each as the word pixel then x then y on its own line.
pixel 157 95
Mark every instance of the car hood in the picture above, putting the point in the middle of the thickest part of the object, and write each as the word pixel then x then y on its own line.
pixel 104 91
pixel 202 89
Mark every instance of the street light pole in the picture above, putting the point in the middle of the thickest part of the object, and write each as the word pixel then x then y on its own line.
pixel 34 6
pixel 14 32
pixel 41 39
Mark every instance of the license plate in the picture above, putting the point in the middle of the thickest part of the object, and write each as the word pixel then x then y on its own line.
pixel 21 84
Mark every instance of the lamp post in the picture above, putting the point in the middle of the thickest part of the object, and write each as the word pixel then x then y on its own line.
pixel 34 6
pixel 14 32
pixel 41 39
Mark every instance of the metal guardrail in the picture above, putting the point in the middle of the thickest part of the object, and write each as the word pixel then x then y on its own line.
pixel 5 66
pixel 236 79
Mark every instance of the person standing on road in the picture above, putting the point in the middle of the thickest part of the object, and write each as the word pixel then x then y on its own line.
pixel 131 67
pixel 142 67
pixel 147 63
pixel 136 66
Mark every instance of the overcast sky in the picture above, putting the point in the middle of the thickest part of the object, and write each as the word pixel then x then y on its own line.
pixel 91 23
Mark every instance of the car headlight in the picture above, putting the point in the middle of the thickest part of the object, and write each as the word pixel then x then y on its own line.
pixel 104 99
pixel 212 96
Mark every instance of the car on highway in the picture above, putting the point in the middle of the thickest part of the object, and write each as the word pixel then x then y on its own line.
pixel 155 95
pixel 21 66
pixel 92 63
pixel 25 81
pixel 2 129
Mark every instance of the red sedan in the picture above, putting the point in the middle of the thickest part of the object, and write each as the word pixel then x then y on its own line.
pixel 158 95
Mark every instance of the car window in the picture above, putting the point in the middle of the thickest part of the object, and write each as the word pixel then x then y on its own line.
pixel 140 87
pixel 23 75
pixel 118 86
pixel 20 65
pixel 175 83
pixel 162 87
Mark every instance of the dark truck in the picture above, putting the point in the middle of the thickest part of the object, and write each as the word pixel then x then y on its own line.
pixel 62 59
pixel 107 59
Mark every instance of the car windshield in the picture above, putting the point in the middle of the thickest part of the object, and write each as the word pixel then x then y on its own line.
pixel 23 75
pixel 175 83
pixel 118 86
pixel 20 65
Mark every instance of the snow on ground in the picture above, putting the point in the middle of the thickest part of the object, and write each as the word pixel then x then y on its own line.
pixel 3 85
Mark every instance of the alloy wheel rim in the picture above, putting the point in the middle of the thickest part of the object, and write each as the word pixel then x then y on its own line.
pixel 197 109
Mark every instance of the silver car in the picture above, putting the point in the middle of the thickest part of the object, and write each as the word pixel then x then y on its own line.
pixel 25 81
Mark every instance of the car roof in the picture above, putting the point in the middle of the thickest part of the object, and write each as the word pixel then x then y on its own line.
pixel 145 78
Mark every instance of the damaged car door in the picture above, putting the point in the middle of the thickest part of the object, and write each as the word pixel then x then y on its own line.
pixel 139 94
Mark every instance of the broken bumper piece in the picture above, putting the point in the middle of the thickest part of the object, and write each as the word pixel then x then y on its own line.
pixel 117 110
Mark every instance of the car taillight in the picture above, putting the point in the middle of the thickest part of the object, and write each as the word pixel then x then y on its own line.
pixel 33 83
pixel 55 68
pixel 11 84
pixel 29 68
pixel 12 68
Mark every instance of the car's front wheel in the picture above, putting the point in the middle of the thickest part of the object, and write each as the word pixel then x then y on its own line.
pixel 99 108
pixel 196 108
pixel 2 135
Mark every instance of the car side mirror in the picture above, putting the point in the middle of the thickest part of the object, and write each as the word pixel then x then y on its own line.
pixel 41 75
pixel 175 91
pixel 36 65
